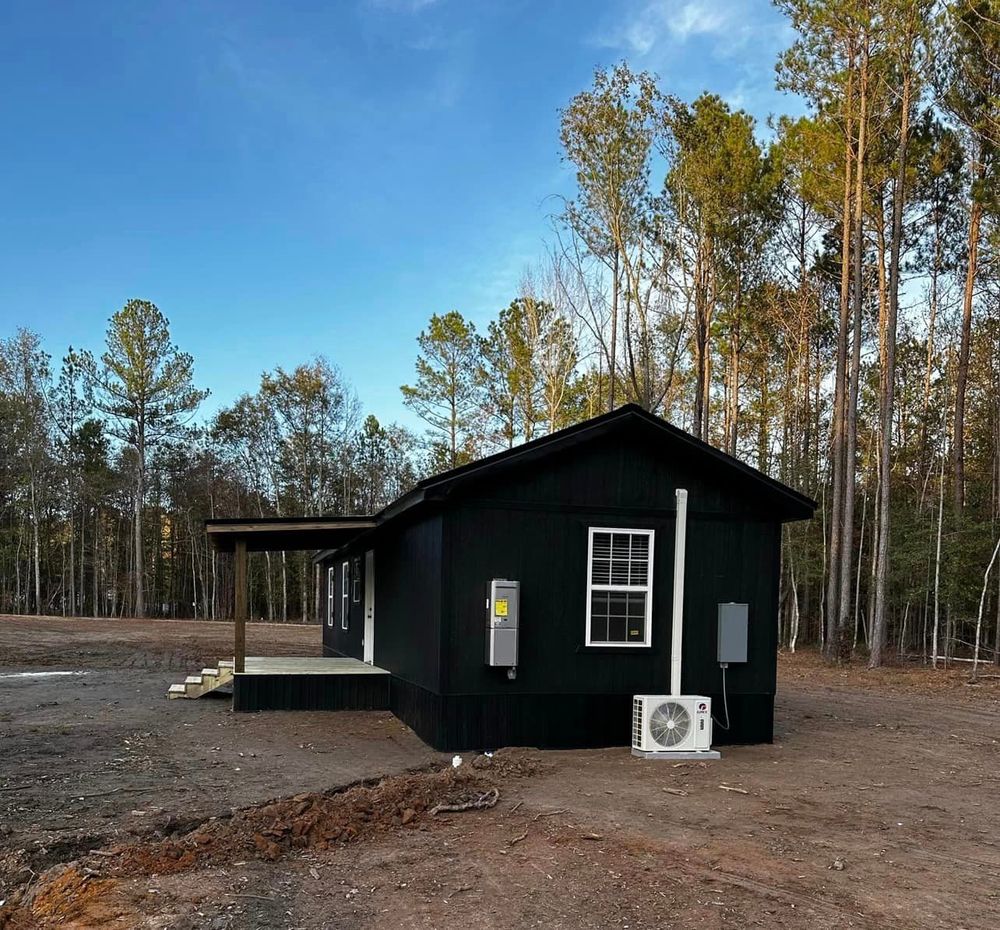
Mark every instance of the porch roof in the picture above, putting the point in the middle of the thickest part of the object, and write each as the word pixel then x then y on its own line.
pixel 275 534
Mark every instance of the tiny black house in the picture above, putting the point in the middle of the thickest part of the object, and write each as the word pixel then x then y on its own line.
pixel 583 520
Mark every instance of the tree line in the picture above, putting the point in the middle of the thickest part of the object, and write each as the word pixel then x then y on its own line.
pixel 107 479
pixel 817 296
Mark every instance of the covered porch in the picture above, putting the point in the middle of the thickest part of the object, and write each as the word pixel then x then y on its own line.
pixel 310 683
pixel 293 682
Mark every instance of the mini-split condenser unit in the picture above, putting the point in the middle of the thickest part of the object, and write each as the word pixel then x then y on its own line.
pixel 666 723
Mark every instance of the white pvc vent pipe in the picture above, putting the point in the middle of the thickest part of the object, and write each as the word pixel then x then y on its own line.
pixel 677 618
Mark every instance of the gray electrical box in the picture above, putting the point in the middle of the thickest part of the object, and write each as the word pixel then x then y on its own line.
pixel 733 632
pixel 503 608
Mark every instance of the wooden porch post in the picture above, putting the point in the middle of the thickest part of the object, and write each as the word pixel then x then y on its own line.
pixel 240 612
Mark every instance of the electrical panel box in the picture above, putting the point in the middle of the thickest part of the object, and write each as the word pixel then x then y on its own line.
pixel 503 608
pixel 733 632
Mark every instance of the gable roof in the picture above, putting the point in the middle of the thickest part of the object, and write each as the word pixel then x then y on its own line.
pixel 313 532
pixel 789 504
pixel 797 506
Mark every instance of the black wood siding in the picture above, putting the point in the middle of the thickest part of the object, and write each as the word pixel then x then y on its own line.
pixel 533 527
pixel 310 692
pixel 547 552
pixel 531 524
pixel 454 723
pixel 407 602
pixel 628 472
pixel 408 606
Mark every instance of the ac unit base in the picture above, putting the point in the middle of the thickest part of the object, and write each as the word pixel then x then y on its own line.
pixel 674 756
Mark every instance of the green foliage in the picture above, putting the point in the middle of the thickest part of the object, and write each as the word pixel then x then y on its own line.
pixel 608 133
pixel 967 77
pixel 446 394
pixel 384 463
pixel 697 270
pixel 314 415
pixel 143 383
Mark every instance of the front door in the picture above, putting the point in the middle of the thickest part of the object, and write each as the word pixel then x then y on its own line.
pixel 369 640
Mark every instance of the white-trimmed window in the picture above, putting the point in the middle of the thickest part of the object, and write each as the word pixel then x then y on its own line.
pixel 344 594
pixel 619 587
pixel 356 580
pixel 331 588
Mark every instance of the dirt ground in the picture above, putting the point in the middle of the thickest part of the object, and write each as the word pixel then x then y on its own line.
pixel 877 806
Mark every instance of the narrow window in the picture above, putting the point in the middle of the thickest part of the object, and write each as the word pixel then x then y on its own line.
pixel 331 581
pixel 344 606
pixel 619 587
pixel 356 580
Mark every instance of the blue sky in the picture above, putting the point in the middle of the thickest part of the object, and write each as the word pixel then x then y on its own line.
pixel 287 179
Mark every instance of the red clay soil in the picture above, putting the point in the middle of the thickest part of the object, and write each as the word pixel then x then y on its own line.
pixel 87 892
pixel 305 821
pixel 874 808
pixel 71 898
pixel 909 677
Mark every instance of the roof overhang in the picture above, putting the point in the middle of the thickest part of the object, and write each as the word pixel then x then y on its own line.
pixel 278 534
pixel 784 502
pixel 326 536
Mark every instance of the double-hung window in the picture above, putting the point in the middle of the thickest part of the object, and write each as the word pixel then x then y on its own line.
pixel 344 595
pixel 619 587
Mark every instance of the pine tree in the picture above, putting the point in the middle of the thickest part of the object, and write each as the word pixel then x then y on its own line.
pixel 448 393
pixel 144 386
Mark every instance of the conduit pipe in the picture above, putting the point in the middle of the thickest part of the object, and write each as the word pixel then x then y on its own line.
pixel 677 619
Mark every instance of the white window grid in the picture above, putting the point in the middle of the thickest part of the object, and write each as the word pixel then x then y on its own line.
pixel 646 587
pixel 344 594
pixel 331 589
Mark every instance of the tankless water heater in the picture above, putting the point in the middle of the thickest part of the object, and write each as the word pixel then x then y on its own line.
pixel 503 608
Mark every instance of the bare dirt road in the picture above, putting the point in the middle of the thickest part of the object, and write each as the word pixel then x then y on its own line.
pixel 877 806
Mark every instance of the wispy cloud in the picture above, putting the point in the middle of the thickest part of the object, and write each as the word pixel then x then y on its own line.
pixel 650 27
pixel 726 46
pixel 650 23
pixel 696 18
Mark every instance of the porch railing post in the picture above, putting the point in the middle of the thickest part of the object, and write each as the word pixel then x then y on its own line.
pixel 240 612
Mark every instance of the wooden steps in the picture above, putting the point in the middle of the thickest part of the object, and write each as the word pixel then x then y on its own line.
pixel 208 679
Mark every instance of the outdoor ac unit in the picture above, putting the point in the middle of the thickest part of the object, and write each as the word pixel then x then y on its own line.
pixel 670 724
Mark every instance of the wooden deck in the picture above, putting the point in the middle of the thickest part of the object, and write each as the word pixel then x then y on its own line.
pixel 308 665
pixel 310 683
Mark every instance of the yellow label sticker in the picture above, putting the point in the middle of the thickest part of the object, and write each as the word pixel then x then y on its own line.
pixel 501 607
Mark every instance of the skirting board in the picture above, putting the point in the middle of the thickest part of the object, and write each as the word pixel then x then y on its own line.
pixel 667 754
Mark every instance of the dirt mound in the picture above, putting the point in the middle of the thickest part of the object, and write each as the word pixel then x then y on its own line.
pixel 88 894
pixel 303 821
pixel 13 917
pixel 67 897
pixel 509 763
pixel 73 899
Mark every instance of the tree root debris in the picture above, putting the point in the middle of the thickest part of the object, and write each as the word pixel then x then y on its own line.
pixel 87 888
pixel 485 801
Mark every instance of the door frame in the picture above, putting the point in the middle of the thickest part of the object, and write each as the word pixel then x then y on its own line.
pixel 368 638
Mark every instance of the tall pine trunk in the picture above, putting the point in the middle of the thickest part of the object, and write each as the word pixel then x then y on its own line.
pixel 961 389
pixel 36 545
pixel 140 492
pixel 843 641
pixel 878 625
pixel 832 605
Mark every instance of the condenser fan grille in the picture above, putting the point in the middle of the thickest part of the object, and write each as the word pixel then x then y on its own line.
pixel 670 724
